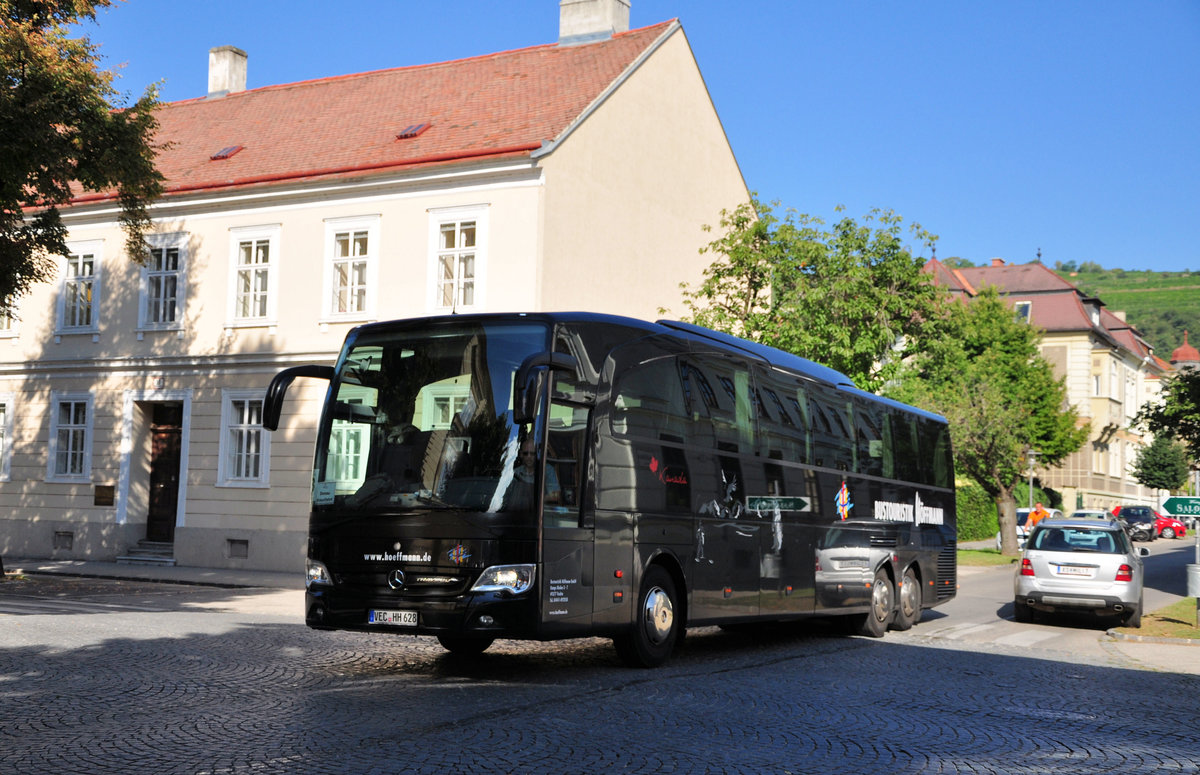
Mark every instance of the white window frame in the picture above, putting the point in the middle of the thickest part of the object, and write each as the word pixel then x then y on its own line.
pixel 6 425
pixel 56 401
pixel 448 215
pixel 333 227
pixel 94 248
pixel 164 242
pixel 9 328
pixel 231 423
pixel 237 236
pixel 1023 310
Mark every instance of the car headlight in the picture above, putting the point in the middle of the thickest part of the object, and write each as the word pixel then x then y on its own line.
pixel 316 573
pixel 514 579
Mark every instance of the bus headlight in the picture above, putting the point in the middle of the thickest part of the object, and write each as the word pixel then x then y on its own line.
pixel 316 573
pixel 515 579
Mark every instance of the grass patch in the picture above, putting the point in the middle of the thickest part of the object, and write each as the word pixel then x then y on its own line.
pixel 1177 620
pixel 984 557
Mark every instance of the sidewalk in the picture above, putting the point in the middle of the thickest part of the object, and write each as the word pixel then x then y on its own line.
pixel 169 574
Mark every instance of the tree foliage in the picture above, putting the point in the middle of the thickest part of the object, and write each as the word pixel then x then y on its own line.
pixel 985 374
pixel 60 134
pixel 852 297
pixel 1177 413
pixel 1163 465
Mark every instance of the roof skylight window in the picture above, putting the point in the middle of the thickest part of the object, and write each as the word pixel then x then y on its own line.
pixel 412 130
pixel 225 152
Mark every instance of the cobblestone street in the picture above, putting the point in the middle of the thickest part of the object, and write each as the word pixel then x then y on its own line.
pixel 172 679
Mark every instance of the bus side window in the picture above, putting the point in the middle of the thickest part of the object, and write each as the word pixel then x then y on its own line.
pixel 783 435
pixel 935 447
pixel 648 401
pixel 799 402
pixel 733 416
pixel 699 400
pixel 903 449
pixel 868 437
pixel 833 442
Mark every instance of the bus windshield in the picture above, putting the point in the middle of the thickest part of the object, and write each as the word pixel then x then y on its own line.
pixel 421 418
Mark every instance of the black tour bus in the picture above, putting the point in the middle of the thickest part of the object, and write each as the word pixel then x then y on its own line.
pixel 545 476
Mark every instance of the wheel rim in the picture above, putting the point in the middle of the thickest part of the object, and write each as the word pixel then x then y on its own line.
pixel 881 600
pixel 1169 532
pixel 660 615
pixel 908 595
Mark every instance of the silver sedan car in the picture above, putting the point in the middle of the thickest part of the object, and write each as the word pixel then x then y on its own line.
pixel 1081 566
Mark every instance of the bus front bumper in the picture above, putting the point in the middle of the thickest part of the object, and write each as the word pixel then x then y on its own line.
pixel 485 614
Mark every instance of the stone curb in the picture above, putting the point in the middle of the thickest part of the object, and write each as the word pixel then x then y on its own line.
pixel 1150 639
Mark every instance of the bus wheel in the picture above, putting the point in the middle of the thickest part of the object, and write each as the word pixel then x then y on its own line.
pixel 875 622
pixel 464 645
pixel 655 630
pixel 909 612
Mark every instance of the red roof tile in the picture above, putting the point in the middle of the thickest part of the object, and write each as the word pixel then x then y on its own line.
pixel 508 103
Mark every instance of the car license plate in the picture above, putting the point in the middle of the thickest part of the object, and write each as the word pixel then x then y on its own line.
pixel 399 618
pixel 1074 570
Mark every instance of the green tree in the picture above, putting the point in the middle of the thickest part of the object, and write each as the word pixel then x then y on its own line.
pixel 1177 413
pixel 1163 465
pixel 59 135
pixel 852 297
pixel 986 376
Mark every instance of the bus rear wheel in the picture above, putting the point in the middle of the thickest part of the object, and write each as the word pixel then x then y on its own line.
pixel 464 645
pixel 909 611
pixel 875 622
pixel 655 630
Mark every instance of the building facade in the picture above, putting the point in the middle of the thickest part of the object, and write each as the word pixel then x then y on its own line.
pixel 1110 371
pixel 574 175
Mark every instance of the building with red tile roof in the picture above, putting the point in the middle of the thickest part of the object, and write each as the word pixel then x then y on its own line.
pixel 1109 370
pixel 579 174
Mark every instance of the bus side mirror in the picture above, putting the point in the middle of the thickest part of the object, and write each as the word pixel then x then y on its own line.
pixel 273 403
pixel 525 381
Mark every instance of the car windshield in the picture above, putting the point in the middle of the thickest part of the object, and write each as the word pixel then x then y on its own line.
pixel 1078 539
pixel 1137 514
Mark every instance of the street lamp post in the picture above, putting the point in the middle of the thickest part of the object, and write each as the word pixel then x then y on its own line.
pixel 1032 458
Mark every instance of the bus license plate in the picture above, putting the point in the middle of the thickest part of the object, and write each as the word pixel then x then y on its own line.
pixel 399 618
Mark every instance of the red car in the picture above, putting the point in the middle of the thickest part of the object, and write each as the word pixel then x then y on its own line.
pixel 1169 527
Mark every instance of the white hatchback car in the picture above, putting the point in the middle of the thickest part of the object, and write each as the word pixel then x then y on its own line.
pixel 1082 566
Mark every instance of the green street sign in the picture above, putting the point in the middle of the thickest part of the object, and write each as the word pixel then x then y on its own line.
pixel 783 503
pixel 1182 507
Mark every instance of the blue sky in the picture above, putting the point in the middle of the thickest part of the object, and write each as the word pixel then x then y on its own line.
pixel 1003 127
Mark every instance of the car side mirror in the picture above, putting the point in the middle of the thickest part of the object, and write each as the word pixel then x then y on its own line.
pixel 1143 552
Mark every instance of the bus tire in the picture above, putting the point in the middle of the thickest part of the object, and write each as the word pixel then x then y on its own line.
pixel 908 612
pixel 655 630
pixel 464 645
pixel 874 623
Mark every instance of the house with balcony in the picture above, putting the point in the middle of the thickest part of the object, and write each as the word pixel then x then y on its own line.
pixel 1109 369
pixel 573 175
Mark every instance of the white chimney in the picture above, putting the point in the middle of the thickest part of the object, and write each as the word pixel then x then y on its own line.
pixel 586 21
pixel 226 71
